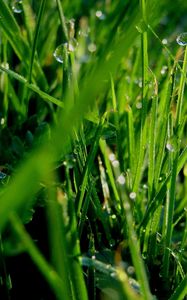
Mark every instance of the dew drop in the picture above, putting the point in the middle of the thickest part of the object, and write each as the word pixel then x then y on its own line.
pixel 59 53
pixel 72 45
pixel 145 187
pixel 2 121
pixel 121 179
pixel 115 163
pixel 92 47
pixel 182 39
pixel 164 41
pixel 140 83
pixel 17 6
pixel 164 70
pixel 113 217
pixel 139 105
pixel 130 270
pixel 112 157
pixel 2 175
pixel 5 65
pixel 108 266
pixel 99 14
pixel 112 243
pixel 170 147
pixel 132 195
pixel 113 274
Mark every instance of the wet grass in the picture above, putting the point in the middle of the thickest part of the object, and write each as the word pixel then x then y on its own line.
pixel 95 138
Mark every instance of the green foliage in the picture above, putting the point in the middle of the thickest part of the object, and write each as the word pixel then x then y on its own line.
pixel 104 155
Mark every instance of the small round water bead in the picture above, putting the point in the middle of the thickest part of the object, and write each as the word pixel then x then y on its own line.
pixel 182 39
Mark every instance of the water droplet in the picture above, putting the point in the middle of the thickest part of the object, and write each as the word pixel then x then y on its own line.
pixel 112 243
pixel 132 195
pixel 140 84
pixel 164 41
pixel 130 270
pixel 2 175
pixel 17 6
pixel 59 53
pixel 141 27
pixel 2 121
pixel 182 39
pixel 72 45
pixel 5 65
pixel 170 147
pixel 112 157
pixel 164 70
pixel 139 105
pixel 108 266
pixel 113 217
pixel 145 186
pixel 92 47
pixel 113 274
pixel 99 14
pixel 93 257
pixel 115 163
pixel 121 179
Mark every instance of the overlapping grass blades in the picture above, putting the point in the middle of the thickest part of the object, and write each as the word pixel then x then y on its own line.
pixel 140 180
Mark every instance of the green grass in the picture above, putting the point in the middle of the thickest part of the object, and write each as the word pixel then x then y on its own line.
pixel 98 144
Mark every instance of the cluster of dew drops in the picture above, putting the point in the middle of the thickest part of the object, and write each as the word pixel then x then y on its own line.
pixel 72 43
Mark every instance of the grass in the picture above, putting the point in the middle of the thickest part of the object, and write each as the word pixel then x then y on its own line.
pixel 93 150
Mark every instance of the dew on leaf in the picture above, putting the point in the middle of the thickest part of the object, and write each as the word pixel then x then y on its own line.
pixel 17 6
pixel 182 39
pixel 59 53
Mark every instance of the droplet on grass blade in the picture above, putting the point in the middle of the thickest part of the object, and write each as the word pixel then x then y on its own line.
pixel 115 163
pixel 2 175
pixel 164 70
pixel 72 45
pixel 2 121
pixel 182 39
pixel 112 243
pixel 164 41
pixel 139 105
pixel 59 53
pixel 112 157
pixel 17 6
pixel 170 147
pixel 132 195
pixel 92 47
pixel 99 14
pixel 121 179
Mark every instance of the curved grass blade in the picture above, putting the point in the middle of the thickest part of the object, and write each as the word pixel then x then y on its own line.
pixel 32 87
